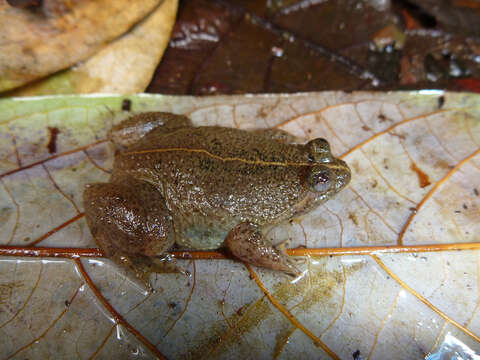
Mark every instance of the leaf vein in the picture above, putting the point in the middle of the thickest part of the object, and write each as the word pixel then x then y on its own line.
pixel 423 299
pixel 48 328
pixel 431 192
pixel 290 317
pixel 118 318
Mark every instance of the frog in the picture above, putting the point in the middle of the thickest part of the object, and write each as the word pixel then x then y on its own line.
pixel 176 185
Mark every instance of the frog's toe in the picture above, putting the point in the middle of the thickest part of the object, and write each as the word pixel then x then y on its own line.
pixel 144 266
pixel 248 244
pixel 299 260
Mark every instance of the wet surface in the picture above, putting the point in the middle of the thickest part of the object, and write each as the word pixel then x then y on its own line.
pixel 391 255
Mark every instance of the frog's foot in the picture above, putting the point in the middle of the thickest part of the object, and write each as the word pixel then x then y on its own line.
pixel 295 261
pixel 282 246
pixel 131 130
pixel 246 242
pixel 143 266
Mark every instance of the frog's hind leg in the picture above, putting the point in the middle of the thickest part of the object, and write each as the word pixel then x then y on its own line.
pixel 143 266
pixel 247 243
pixel 131 130
pixel 130 222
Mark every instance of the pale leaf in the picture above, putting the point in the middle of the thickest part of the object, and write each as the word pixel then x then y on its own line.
pixel 415 159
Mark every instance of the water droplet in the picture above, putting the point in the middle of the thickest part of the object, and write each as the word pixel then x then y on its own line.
pixel 277 51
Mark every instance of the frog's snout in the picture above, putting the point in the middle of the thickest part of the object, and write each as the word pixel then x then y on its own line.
pixel 343 175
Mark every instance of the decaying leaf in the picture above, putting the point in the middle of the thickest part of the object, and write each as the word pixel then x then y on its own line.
pixel 33 44
pixel 124 66
pixel 394 289
pixel 264 46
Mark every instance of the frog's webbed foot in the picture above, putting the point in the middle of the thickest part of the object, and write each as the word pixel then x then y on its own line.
pixel 246 242
pixel 282 247
pixel 131 130
pixel 143 266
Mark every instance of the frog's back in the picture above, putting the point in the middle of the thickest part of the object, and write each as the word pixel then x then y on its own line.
pixel 213 178
pixel 222 142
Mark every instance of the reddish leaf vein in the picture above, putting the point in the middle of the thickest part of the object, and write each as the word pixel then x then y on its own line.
pixel 75 253
pixel 118 318
pixel 48 328
pixel 431 192
pixel 39 162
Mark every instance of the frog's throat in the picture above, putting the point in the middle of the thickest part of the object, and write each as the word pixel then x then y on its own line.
pixel 221 158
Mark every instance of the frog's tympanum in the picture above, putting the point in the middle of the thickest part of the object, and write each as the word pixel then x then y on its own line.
pixel 204 188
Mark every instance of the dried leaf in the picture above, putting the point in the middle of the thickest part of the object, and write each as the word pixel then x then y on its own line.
pixel 456 15
pixel 415 188
pixel 124 66
pixel 233 47
pixel 52 43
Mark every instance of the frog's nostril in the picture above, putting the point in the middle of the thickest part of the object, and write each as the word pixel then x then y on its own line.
pixel 343 179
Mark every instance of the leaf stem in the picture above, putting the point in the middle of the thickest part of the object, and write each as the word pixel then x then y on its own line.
pixel 74 253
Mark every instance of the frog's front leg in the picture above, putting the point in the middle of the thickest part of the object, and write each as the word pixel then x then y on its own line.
pixel 131 130
pixel 131 224
pixel 247 243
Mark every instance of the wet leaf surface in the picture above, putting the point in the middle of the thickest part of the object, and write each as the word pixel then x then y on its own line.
pixel 394 286
pixel 231 47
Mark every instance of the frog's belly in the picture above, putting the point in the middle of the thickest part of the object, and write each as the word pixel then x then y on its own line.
pixel 201 237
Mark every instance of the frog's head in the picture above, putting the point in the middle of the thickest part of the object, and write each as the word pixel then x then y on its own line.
pixel 327 175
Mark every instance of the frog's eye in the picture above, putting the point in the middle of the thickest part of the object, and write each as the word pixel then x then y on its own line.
pixel 320 181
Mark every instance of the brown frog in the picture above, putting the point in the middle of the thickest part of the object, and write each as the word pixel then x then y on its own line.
pixel 203 188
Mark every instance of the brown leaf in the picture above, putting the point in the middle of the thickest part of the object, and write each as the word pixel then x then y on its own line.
pixel 124 66
pixel 52 43
pixel 231 47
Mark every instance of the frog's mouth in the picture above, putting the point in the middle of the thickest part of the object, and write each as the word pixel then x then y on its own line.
pixel 311 200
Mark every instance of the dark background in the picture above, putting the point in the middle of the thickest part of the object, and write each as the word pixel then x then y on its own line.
pixel 256 46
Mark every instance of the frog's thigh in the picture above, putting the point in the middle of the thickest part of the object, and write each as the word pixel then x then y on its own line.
pixel 128 218
pixel 247 243
pixel 280 135
pixel 135 127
